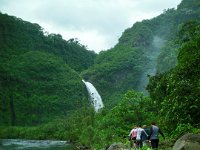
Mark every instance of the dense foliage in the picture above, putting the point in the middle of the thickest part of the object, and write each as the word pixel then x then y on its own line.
pixel 174 90
pixel 18 36
pixel 40 78
pixel 178 89
pixel 115 72
pixel 36 87
pixel 92 129
pixel 147 48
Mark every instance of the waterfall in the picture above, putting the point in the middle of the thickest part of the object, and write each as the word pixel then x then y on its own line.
pixel 94 95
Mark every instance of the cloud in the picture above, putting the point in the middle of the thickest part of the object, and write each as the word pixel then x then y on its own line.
pixel 106 17
pixel 97 23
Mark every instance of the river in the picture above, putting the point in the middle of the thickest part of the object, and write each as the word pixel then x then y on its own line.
pixel 18 144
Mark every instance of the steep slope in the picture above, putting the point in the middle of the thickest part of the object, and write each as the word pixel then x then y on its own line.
pixel 176 92
pixel 39 78
pixel 37 87
pixel 18 36
pixel 147 48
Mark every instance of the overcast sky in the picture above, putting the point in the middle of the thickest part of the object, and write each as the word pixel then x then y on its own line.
pixel 98 24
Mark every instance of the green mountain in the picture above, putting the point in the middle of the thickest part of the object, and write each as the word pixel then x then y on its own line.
pixel 147 48
pixel 18 36
pixel 38 83
pixel 39 69
pixel 176 92
pixel 39 73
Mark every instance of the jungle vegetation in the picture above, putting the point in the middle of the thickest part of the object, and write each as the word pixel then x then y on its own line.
pixel 151 74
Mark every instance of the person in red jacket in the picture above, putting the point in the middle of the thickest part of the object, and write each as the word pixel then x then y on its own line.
pixel 132 137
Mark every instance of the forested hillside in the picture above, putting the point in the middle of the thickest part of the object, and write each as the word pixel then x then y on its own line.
pixel 147 48
pixel 178 88
pixel 40 81
pixel 39 73
pixel 18 37
pixel 167 48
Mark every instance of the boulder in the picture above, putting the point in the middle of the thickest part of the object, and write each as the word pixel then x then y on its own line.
pixel 188 142
pixel 117 146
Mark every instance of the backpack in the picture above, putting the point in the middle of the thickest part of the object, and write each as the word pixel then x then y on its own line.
pixel 134 134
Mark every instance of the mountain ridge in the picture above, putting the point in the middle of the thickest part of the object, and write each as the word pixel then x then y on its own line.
pixel 143 54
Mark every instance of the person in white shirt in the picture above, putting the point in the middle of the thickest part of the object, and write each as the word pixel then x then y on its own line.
pixel 139 131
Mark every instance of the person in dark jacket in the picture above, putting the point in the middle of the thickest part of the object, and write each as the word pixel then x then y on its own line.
pixel 144 137
pixel 153 135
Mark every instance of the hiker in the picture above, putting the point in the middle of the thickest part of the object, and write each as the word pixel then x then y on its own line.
pixel 144 137
pixel 153 135
pixel 132 137
pixel 139 131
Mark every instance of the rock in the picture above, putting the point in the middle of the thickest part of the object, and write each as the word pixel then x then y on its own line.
pixel 188 142
pixel 117 146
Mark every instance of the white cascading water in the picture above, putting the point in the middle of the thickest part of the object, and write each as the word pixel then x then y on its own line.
pixel 94 95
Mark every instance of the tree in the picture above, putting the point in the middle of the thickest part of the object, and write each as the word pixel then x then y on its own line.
pixel 176 92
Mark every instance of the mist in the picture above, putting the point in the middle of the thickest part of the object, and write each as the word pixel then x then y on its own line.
pixel 152 55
